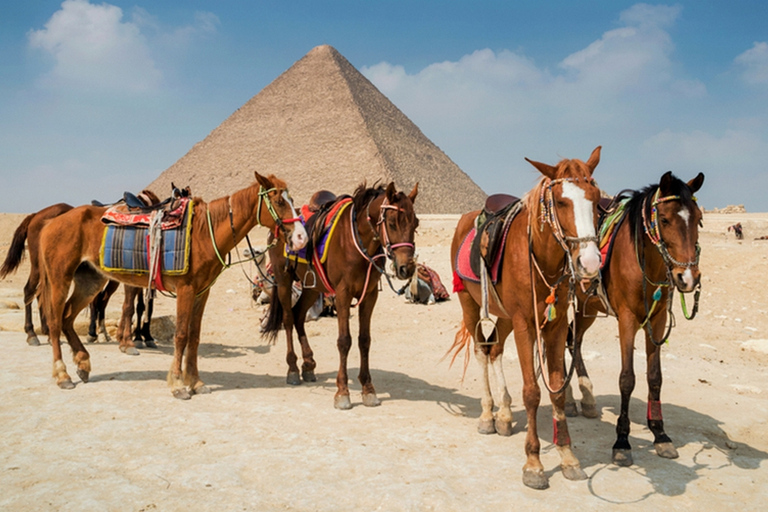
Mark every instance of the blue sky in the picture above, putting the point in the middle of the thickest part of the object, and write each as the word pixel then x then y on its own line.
pixel 97 98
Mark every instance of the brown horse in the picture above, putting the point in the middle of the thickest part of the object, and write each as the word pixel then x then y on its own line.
pixel 69 254
pixel 655 249
pixel 379 224
pixel 550 245
pixel 29 232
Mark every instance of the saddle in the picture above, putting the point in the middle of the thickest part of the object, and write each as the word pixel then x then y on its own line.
pixel 135 211
pixel 491 227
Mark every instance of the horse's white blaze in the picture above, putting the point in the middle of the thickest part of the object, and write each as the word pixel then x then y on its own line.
pixel 299 237
pixel 685 214
pixel 589 256
pixel 688 279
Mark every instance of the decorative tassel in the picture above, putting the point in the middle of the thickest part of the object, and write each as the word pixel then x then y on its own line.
pixel 657 294
pixel 549 312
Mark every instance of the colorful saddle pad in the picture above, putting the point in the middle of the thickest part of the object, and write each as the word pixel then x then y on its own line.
pixel 124 249
pixel 328 228
pixel 120 214
pixel 609 226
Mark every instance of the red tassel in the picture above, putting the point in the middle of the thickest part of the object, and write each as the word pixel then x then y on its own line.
pixel 458 284
pixel 654 410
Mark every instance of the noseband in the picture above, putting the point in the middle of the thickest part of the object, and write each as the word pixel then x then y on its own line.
pixel 264 198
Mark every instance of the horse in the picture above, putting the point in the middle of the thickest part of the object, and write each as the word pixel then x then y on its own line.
pixel 550 246
pixel 29 232
pixel 654 250
pixel 133 302
pixel 69 254
pixel 377 222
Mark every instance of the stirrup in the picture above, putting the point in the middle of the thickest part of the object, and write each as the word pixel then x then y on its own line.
pixel 479 330
pixel 306 284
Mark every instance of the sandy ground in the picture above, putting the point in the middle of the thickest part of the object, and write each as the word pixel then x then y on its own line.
pixel 121 442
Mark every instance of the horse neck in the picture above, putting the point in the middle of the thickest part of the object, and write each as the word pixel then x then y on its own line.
pixel 367 227
pixel 243 219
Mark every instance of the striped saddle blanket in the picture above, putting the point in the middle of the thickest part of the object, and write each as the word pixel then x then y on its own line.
pixel 125 249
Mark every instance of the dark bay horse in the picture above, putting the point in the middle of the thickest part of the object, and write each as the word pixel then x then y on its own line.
pixel 28 232
pixel 550 245
pixel 655 250
pixel 69 254
pixel 379 223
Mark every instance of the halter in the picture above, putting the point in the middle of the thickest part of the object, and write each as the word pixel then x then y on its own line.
pixel 264 194
pixel 652 230
pixel 380 232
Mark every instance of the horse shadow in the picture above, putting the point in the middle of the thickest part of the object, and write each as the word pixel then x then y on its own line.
pixel 668 477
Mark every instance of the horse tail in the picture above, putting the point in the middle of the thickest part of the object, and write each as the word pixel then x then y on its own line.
pixel 274 318
pixel 16 251
pixel 460 342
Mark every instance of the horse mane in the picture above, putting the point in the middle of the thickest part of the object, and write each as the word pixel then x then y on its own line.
pixel 364 194
pixel 638 199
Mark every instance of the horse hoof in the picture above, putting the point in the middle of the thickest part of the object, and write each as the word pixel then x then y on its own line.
pixel 503 428
pixel 574 473
pixel 309 376
pixel 486 427
pixel 589 410
pixel 666 450
pixel 371 400
pixel 535 479
pixel 150 343
pixel 202 390
pixel 293 379
pixel 570 410
pixel 91 339
pixel 84 375
pixel 32 341
pixel 66 384
pixel 138 343
pixel 622 457
pixel 131 351
pixel 181 394
pixel 342 402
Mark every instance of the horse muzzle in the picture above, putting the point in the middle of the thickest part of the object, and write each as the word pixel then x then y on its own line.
pixel 588 262
pixel 686 278
pixel 403 266
pixel 297 237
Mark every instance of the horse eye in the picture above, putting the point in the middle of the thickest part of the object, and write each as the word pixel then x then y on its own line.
pixel 664 221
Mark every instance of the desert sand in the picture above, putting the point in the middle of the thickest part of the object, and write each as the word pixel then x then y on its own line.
pixel 122 442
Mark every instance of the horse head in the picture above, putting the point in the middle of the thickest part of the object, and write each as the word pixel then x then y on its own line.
pixel 397 226
pixel 280 207
pixel 674 221
pixel 568 202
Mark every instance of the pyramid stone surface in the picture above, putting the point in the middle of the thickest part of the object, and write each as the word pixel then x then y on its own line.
pixel 323 125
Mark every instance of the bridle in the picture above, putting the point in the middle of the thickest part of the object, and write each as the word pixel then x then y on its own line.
pixel 548 215
pixel 279 223
pixel 652 230
pixel 380 232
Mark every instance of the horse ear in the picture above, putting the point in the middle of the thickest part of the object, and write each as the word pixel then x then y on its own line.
pixel 665 183
pixel 391 191
pixel 414 192
pixel 594 159
pixel 696 183
pixel 547 170
pixel 263 181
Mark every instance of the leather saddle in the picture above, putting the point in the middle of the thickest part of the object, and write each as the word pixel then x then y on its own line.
pixel 491 225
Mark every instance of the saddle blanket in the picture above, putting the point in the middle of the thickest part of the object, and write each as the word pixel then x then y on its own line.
pixel 608 228
pixel 124 249
pixel 122 215
pixel 463 267
pixel 321 247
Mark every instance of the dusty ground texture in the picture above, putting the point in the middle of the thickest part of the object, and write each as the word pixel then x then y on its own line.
pixel 121 442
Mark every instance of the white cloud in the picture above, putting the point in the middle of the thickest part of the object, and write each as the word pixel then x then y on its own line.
pixel 95 50
pixel 755 64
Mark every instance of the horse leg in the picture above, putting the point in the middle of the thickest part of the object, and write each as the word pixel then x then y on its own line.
pixel 29 295
pixel 307 299
pixel 185 300
pixel 471 315
pixel 93 309
pixel 588 402
pixel 344 343
pixel 662 442
pixel 364 345
pixel 282 292
pixel 56 296
pixel 555 347
pixel 503 421
pixel 87 284
pixel 135 297
pixel 533 470
pixel 622 450
pixel 149 341
pixel 191 374
pixel 127 345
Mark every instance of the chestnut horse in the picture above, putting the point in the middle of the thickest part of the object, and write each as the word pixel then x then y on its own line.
pixel 29 232
pixel 69 254
pixel 380 223
pixel 655 249
pixel 550 245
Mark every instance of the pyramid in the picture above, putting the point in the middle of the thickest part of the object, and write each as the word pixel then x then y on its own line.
pixel 323 125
